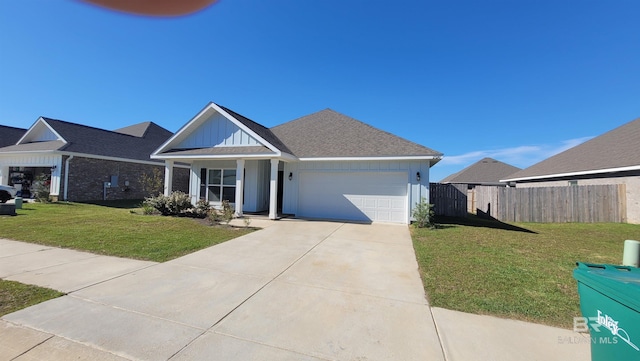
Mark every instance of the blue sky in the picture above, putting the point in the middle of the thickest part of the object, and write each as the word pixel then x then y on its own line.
pixel 516 80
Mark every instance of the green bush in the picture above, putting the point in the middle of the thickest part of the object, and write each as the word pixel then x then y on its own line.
pixel 201 210
pixel 178 203
pixel 423 214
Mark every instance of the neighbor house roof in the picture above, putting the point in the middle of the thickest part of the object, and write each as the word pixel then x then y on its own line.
pixel 82 139
pixel 329 134
pixel 614 151
pixel 10 135
pixel 485 171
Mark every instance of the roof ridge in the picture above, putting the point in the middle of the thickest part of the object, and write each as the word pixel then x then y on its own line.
pixel 87 126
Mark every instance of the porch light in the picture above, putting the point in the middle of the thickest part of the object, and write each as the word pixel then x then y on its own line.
pixel 418 176
pixel 290 176
pixel 53 167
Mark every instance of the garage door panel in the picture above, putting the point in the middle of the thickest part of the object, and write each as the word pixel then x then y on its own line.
pixel 361 196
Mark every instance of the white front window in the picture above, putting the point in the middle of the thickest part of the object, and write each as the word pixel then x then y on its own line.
pixel 221 185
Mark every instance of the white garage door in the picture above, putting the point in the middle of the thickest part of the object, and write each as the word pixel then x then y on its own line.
pixel 358 196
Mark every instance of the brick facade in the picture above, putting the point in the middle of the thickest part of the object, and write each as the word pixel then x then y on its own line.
pixel 88 175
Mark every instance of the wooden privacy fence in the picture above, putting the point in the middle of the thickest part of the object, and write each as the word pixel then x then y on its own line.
pixel 586 204
pixel 448 199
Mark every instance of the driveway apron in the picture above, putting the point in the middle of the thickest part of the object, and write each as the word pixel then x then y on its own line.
pixel 297 290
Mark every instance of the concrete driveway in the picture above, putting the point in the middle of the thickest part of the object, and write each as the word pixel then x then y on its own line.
pixel 297 290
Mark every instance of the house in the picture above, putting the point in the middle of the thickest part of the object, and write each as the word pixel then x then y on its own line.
pixel 485 172
pixel 323 165
pixel 85 163
pixel 611 158
pixel 10 135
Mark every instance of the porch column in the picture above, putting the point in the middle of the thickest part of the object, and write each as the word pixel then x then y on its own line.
pixel 4 174
pixel 239 186
pixel 273 190
pixel 168 177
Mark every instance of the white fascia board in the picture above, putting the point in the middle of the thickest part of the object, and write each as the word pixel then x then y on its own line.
pixel 182 129
pixel 245 128
pixel 187 158
pixel 42 121
pixel 104 157
pixel 570 174
pixel 421 157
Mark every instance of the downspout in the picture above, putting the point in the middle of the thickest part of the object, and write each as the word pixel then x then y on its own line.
pixel 66 176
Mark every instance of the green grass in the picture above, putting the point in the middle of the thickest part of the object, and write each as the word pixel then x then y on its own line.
pixel 521 271
pixel 113 228
pixel 15 296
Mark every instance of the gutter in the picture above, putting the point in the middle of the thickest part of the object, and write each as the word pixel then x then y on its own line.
pixel 66 176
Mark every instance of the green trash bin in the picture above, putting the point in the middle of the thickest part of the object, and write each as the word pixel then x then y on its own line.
pixel 610 306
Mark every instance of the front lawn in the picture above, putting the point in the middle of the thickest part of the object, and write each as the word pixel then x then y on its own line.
pixel 15 296
pixel 521 271
pixel 113 228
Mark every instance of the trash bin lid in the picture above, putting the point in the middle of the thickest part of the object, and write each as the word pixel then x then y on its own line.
pixel 621 283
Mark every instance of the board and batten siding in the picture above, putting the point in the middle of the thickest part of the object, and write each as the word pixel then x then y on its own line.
pixel 415 189
pixel 217 131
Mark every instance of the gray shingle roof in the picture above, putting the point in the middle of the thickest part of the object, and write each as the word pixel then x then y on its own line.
pixel 35 147
pixel 617 148
pixel 328 133
pixel 485 171
pixel 259 129
pixel 10 135
pixel 94 141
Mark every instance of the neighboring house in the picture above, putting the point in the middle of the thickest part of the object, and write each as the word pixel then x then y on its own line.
pixel 485 172
pixel 611 158
pixel 10 135
pixel 84 163
pixel 324 165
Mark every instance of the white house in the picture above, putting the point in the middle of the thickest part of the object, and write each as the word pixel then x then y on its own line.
pixel 324 165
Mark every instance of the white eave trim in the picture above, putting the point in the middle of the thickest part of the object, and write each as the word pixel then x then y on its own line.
pixel 93 156
pixel 283 156
pixel 417 157
pixel 165 146
pixel 41 120
pixel 570 174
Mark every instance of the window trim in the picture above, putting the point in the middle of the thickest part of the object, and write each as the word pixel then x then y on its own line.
pixel 208 184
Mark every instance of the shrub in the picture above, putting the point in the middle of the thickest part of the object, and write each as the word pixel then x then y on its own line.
pixel 152 182
pixel 147 209
pixel 423 214
pixel 201 210
pixel 227 212
pixel 178 203
pixel 41 186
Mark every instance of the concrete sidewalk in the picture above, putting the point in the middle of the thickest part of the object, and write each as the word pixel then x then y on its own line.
pixel 296 290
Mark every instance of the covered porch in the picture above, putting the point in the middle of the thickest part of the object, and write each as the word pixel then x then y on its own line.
pixel 249 185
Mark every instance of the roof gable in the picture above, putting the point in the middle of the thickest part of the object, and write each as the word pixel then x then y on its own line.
pixel 216 127
pixel 616 150
pixel 56 135
pixel 485 171
pixel 40 131
pixel 329 134
pixel 217 131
